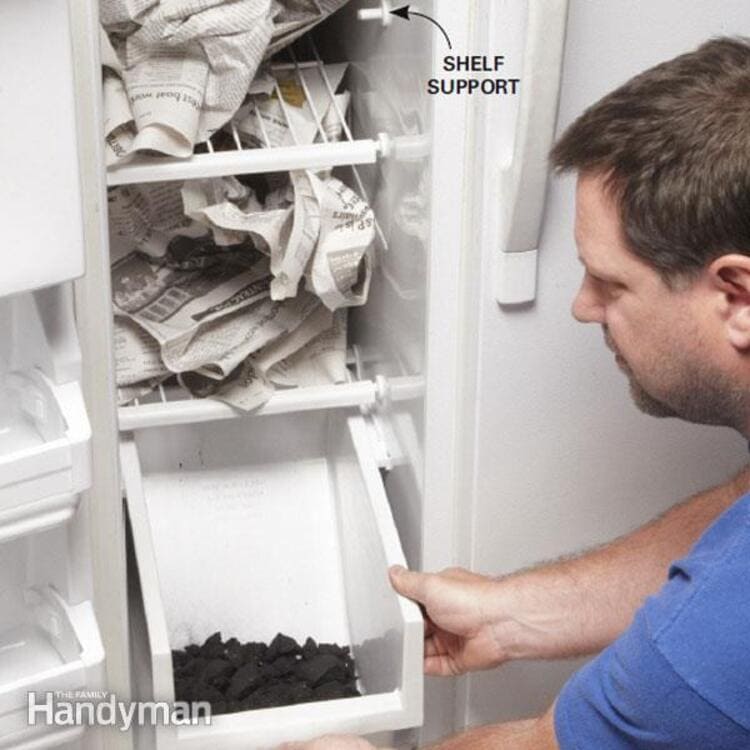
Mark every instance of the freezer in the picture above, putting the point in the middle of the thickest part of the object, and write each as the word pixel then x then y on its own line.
pixel 153 494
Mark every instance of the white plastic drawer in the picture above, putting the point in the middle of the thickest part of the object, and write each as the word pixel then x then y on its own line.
pixel 279 525
pixel 46 646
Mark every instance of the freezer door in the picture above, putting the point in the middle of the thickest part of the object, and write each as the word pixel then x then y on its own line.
pixel 39 193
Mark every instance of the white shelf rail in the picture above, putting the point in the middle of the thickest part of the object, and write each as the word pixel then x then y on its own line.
pixel 173 406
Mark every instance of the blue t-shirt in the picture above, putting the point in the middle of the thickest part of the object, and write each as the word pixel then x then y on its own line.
pixel 679 677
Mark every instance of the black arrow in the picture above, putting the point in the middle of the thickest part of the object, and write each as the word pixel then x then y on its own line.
pixel 406 14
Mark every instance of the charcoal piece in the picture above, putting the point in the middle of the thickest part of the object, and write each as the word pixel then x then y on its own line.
pixel 235 677
pixel 284 665
pixel 216 668
pixel 310 649
pixel 320 669
pixel 244 681
pixel 281 645
pixel 209 693
pixel 195 667
pixel 328 691
pixel 233 652
pixel 254 652
pixel 300 693
pixel 185 670
pixel 255 701
pixel 275 695
pixel 183 689
pixel 213 648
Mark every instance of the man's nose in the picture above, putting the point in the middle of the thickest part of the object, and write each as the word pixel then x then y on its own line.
pixel 587 308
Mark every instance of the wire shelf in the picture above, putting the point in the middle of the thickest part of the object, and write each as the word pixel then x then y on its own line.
pixel 241 159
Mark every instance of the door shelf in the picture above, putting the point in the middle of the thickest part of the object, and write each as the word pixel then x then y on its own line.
pixel 44 451
pixel 289 533
pixel 173 405
pixel 48 646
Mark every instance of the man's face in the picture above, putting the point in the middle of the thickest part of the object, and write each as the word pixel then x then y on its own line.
pixel 662 339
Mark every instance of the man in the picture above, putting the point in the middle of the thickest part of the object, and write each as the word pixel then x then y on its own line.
pixel 663 233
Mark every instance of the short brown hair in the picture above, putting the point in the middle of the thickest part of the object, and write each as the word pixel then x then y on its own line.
pixel 674 146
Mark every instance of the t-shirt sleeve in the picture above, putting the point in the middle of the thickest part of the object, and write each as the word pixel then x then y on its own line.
pixel 630 698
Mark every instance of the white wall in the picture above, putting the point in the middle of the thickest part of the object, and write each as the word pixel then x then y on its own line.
pixel 563 459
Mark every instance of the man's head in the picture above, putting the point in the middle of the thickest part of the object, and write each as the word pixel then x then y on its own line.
pixel 663 231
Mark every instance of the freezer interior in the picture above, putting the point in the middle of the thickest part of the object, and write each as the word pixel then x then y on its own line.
pixel 278 520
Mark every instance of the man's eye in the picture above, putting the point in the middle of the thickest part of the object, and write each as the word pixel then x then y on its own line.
pixel 608 285
pixel 615 288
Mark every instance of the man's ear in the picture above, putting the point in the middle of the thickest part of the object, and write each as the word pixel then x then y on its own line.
pixel 730 274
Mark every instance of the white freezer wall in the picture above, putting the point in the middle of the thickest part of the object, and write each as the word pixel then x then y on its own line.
pixel 563 460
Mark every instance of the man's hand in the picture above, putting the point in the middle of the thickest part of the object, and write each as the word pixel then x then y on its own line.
pixel 573 607
pixel 462 621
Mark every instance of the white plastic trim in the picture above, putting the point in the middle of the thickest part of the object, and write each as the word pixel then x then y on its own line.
pixel 412 683
pixel 161 653
pixel 524 182
pixel 31 518
pixel 382 14
pixel 59 466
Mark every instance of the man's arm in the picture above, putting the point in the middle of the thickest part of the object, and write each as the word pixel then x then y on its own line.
pixel 532 734
pixel 568 608
pixel 579 606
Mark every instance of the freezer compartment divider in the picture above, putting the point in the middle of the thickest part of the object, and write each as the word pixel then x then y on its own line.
pixel 367 395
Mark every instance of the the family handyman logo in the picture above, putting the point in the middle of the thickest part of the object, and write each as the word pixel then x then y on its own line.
pixel 84 708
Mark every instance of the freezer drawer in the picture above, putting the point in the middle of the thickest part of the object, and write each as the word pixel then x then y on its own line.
pixel 279 525
pixel 46 646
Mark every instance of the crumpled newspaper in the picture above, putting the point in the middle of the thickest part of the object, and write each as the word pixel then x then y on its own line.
pixel 320 230
pixel 237 287
pixel 176 71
